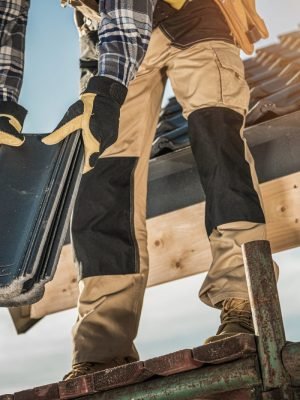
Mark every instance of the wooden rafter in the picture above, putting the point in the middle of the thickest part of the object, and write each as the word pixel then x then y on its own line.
pixel 178 245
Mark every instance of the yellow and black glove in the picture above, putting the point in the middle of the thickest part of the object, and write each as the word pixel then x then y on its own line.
pixel 97 115
pixel 12 117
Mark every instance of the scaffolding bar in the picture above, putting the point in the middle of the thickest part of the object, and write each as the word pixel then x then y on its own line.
pixel 291 361
pixel 240 374
pixel 266 313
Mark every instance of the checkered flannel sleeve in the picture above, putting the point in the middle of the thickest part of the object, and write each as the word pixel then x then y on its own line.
pixel 124 34
pixel 13 22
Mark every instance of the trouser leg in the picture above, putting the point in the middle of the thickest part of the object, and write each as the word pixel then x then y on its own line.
pixel 215 101
pixel 109 232
pixel 233 211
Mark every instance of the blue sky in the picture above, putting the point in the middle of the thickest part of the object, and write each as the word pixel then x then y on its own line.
pixel 173 318
pixel 51 65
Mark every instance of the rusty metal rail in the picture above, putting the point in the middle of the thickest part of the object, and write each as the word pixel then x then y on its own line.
pixel 241 374
pixel 267 316
pixel 291 361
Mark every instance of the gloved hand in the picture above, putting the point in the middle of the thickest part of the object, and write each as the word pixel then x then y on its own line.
pixel 12 117
pixel 97 115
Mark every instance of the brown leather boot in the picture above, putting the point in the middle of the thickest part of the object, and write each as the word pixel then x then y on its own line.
pixel 236 317
pixel 86 368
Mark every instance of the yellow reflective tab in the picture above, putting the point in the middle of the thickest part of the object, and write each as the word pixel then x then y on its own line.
pixel 10 140
pixel 177 4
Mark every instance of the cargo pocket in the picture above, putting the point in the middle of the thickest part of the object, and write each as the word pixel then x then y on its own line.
pixel 234 88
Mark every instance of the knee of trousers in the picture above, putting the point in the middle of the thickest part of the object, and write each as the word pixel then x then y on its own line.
pixel 104 223
pixel 216 135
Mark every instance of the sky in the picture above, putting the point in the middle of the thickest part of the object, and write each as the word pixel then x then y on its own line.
pixel 173 318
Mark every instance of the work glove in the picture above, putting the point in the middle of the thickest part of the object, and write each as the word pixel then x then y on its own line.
pixel 96 114
pixel 12 117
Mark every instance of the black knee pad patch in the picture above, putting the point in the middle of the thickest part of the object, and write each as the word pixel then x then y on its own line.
pixel 102 226
pixel 225 174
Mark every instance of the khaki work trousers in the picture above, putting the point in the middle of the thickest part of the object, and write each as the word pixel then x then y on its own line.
pixel 208 74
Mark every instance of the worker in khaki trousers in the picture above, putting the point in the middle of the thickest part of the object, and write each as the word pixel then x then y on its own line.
pixel 193 46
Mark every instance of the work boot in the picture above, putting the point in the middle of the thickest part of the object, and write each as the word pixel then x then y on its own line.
pixel 236 317
pixel 86 368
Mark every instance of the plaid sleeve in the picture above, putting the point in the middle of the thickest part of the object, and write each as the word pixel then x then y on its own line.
pixel 124 34
pixel 13 21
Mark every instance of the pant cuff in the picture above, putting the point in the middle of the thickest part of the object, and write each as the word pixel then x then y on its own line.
pixel 212 301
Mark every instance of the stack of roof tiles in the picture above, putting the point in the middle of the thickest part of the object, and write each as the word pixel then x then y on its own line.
pixel 44 180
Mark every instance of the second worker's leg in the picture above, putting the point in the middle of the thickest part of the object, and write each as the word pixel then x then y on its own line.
pixel 215 99
pixel 233 212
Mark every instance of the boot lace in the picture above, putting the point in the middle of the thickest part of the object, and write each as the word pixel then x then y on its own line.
pixel 236 312
pixel 80 369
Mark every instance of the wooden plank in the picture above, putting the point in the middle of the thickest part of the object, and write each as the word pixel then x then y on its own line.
pixel 281 202
pixel 62 292
pixel 178 245
pixel 22 318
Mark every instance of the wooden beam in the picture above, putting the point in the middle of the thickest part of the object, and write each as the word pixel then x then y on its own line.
pixel 62 292
pixel 22 318
pixel 178 245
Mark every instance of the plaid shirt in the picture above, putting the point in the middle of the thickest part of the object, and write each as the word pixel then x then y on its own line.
pixel 13 21
pixel 124 34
